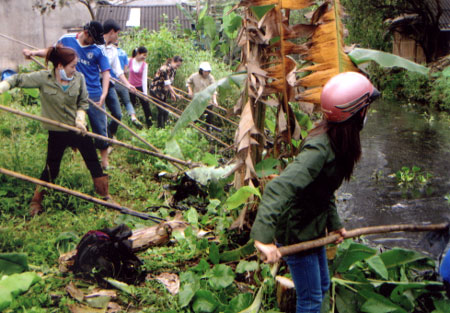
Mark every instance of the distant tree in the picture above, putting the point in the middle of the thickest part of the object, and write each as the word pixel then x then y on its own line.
pixel 423 27
pixel 46 5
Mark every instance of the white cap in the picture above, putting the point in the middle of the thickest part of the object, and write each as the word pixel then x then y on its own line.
pixel 205 67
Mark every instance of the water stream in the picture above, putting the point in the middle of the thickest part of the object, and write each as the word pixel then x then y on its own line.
pixel 394 137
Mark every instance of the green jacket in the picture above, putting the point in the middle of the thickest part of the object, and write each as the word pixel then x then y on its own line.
pixel 56 104
pixel 299 204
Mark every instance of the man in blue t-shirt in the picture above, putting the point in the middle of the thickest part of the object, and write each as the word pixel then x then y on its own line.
pixel 92 62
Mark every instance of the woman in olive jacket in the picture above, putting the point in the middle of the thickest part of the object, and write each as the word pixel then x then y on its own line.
pixel 299 205
pixel 64 99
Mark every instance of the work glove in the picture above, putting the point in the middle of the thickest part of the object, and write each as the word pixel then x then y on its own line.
pixel 80 121
pixel 4 86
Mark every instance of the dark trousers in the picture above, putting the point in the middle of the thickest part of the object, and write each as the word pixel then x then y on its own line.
pixel 145 107
pixel 113 104
pixel 163 115
pixel 58 141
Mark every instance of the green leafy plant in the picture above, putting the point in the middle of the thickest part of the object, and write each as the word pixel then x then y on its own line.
pixel 412 176
pixel 392 281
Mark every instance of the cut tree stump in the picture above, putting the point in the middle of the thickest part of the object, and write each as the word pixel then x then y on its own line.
pixel 286 297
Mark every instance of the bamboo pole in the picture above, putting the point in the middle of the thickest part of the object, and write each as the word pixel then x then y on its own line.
pixel 307 245
pixel 202 130
pixel 93 135
pixel 81 195
pixel 139 93
pixel 185 93
pixel 18 41
pixel 129 129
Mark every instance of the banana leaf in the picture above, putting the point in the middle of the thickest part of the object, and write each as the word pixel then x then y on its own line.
pixel 201 100
pixel 384 59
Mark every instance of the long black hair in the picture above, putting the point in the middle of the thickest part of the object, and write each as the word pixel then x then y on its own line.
pixel 345 141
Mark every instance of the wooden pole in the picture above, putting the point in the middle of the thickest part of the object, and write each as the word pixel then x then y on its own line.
pixel 202 130
pixel 178 111
pixel 110 140
pixel 81 195
pixel 217 106
pixel 307 245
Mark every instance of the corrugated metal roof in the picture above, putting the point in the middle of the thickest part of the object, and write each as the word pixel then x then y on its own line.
pixel 151 16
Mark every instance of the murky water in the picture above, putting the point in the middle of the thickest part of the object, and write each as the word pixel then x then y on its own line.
pixel 392 138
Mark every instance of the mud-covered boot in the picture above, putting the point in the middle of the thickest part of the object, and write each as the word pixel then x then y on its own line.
pixel 101 185
pixel 36 201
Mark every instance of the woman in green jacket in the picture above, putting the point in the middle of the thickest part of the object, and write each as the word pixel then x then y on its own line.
pixel 64 99
pixel 299 205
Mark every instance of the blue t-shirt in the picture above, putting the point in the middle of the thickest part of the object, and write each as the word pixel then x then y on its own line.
pixel 445 267
pixel 91 61
pixel 123 57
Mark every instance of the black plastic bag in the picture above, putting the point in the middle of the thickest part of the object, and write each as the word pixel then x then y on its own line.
pixel 107 253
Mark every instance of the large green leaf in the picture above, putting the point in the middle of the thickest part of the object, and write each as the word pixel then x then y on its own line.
pixel 397 257
pixel 201 100
pixel 240 302
pixel 11 263
pixel 172 148
pixel 209 26
pixel 204 302
pixel 442 306
pixel 346 300
pixel 239 253
pixel 384 59
pixel 241 196
pixel 376 303
pixel 376 264
pixel 190 283
pixel 214 255
pixel 355 253
pixel 203 175
pixel 246 266
pixel 220 276
pixel 13 285
pixel 231 22
pixel 267 167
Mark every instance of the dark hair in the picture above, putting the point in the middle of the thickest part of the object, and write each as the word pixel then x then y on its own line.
pixel 141 49
pixel 176 58
pixel 60 55
pixel 109 25
pixel 345 141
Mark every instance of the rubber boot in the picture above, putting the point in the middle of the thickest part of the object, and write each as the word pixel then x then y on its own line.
pixel 101 185
pixel 36 201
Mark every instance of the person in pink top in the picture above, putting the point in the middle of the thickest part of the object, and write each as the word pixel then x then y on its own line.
pixel 138 78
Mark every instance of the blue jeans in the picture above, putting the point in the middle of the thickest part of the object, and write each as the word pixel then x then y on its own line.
pixel 124 96
pixel 98 122
pixel 113 104
pixel 310 275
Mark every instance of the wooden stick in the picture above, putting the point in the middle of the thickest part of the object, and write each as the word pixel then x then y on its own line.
pixel 184 92
pixel 18 41
pixel 202 130
pixel 81 195
pixel 172 107
pixel 296 248
pixel 97 136
pixel 129 129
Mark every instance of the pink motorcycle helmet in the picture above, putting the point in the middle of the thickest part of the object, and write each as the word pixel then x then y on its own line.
pixel 346 94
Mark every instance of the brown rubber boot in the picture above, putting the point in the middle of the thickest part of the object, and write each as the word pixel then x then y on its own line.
pixel 36 201
pixel 101 185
